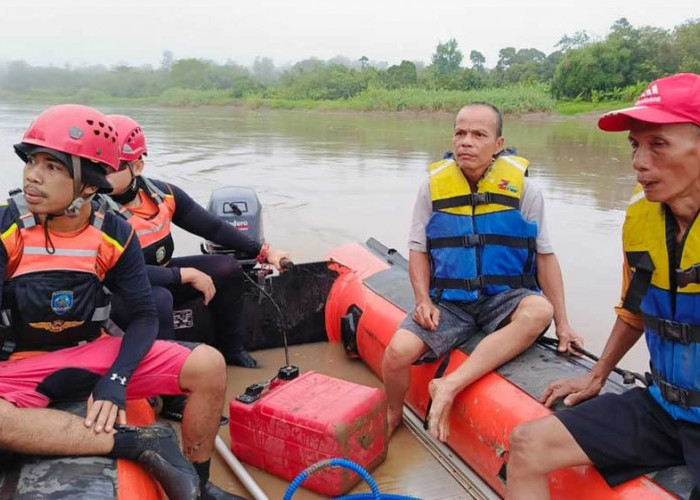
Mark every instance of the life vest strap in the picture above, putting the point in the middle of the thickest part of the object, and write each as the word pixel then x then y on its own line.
pixel 25 218
pixel 475 199
pixel 644 267
pixel 479 282
pixel 473 240
pixel 675 331
pixel 685 398
pixel 685 277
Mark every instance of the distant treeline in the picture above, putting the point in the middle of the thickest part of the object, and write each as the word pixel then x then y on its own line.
pixel 581 69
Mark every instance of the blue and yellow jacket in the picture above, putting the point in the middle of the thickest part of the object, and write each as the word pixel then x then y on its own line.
pixel 665 288
pixel 479 243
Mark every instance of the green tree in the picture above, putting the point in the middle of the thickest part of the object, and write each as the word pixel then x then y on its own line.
pixel 166 62
pixel 687 46
pixel 477 59
pixel 402 75
pixel 575 41
pixel 447 58
pixel 264 70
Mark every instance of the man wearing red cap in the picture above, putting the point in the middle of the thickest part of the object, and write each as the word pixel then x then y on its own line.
pixel 641 430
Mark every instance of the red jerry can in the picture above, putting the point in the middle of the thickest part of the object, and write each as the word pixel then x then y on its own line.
pixel 311 418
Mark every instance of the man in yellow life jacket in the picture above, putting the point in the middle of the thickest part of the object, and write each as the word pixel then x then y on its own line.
pixel 641 430
pixel 60 253
pixel 478 249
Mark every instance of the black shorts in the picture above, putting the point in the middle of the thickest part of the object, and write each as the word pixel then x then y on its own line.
pixel 627 435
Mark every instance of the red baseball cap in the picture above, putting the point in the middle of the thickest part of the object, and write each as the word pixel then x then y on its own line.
pixel 674 99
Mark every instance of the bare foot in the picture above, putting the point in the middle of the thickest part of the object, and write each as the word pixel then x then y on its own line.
pixel 442 394
pixel 394 420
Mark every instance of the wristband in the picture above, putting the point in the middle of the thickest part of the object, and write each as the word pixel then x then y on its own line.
pixel 262 256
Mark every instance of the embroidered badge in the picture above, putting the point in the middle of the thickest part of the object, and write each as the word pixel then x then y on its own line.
pixel 62 301
pixel 160 255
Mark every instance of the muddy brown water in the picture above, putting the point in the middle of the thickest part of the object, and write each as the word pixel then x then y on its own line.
pixel 326 179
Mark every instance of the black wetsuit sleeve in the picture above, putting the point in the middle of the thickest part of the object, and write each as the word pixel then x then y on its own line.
pixel 193 218
pixel 163 276
pixel 128 278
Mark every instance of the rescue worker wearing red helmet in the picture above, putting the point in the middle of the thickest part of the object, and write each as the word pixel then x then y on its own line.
pixel 59 253
pixel 151 207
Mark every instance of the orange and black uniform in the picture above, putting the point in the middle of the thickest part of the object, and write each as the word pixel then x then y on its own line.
pixel 163 204
pixel 55 289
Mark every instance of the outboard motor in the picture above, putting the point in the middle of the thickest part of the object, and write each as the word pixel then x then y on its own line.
pixel 240 207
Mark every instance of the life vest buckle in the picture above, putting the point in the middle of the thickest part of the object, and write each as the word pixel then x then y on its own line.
pixel 480 199
pixel 675 331
pixel 473 240
pixel 675 395
pixel 685 277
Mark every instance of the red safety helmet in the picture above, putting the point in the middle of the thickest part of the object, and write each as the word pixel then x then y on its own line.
pixel 81 138
pixel 75 130
pixel 132 142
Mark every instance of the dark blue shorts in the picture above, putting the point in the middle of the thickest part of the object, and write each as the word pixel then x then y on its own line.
pixel 627 435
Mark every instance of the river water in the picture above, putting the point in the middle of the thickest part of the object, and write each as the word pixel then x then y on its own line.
pixel 325 179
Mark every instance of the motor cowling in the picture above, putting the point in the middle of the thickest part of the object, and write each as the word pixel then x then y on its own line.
pixel 241 208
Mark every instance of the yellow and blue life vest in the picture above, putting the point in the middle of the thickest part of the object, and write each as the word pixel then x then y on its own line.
pixel 669 300
pixel 479 243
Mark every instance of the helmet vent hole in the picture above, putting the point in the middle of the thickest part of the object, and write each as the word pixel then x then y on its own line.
pixel 96 132
pixel 90 122
pixel 102 125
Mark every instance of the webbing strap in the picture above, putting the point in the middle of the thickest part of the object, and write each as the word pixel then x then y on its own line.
pixel 685 398
pixel 473 240
pixel 479 282
pixel 675 331
pixel 644 267
pixel 475 199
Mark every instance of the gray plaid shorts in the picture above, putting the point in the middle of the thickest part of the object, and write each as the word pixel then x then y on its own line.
pixel 459 321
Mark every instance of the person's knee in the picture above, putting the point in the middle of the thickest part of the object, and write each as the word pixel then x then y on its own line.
pixel 6 413
pixel 204 369
pixel 527 445
pixel 403 350
pixel 163 299
pixel 536 311
pixel 522 447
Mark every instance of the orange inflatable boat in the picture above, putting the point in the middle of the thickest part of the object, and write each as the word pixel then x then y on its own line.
pixel 365 304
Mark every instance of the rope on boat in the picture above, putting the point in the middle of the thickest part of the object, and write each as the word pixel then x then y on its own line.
pixel 341 462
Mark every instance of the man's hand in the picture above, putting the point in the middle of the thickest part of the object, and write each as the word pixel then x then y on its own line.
pixel 573 390
pixel 275 257
pixel 200 281
pixel 567 339
pixel 101 415
pixel 427 315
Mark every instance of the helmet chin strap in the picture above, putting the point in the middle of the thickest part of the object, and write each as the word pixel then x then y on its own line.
pixel 73 210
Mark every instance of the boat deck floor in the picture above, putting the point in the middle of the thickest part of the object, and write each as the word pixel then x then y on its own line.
pixel 409 468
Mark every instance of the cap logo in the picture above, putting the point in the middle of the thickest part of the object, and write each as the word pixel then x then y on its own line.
pixel 651 94
pixel 75 132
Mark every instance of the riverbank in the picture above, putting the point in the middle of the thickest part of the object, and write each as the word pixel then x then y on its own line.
pixel 516 100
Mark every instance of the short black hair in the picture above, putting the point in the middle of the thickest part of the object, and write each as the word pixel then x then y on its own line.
pixel 496 112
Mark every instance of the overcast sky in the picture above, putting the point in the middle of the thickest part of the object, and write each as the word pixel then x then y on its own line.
pixel 138 31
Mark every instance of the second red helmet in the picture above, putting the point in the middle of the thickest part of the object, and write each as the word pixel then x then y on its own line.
pixel 132 142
